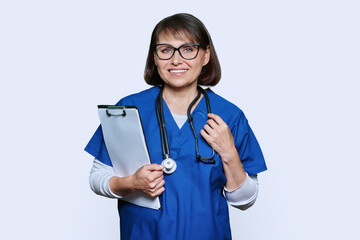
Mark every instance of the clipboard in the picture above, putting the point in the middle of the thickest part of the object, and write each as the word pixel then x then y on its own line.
pixel 125 142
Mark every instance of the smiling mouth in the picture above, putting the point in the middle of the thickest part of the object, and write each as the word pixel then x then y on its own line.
pixel 178 71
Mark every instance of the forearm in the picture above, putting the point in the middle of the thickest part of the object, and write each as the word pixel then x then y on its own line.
pixel 121 185
pixel 148 179
pixel 233 169
pixel 240 190
pixel 102 176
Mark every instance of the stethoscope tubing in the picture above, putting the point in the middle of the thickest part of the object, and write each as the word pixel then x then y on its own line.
pixel 161 121
pixel 190 118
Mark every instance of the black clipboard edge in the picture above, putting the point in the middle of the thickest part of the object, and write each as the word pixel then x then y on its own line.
pixel 116 107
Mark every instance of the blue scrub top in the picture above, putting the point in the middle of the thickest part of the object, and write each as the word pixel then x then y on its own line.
pixel 192 206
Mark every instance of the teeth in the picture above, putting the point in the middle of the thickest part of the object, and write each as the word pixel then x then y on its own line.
pixel 178 71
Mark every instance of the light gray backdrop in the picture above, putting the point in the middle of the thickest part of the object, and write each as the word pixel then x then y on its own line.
pixel 292 66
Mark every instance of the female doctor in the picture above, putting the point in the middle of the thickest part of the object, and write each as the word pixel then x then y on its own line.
pixel 211 154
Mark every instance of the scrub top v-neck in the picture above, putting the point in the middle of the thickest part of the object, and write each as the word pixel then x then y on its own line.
pixel 192 206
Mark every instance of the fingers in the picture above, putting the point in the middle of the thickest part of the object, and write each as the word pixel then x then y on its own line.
pixel 217 133
pixel 154 167
pixel 153 175
pixel 210 137
pixel 157 189
pixel 205 135
pixel 158 192
pixel 216 118
pixel 156 186
pixel 156 183
pixel 212 123
pixel 215 125
pixel 212 128
pixel 150 179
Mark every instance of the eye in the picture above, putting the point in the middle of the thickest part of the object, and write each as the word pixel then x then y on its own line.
pixel 188 48
pixel 166 50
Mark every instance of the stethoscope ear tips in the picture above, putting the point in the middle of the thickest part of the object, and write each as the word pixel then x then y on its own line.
pixel 169 165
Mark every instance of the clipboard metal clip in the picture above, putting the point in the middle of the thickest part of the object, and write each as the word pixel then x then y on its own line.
pixel 109 114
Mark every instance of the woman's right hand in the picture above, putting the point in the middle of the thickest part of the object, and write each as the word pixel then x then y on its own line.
pixel 149 179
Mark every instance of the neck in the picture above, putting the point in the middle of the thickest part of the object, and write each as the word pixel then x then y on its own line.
pixel 178 100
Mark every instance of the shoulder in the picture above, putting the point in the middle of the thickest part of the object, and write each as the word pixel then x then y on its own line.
pixel 140 97
pixel 227 110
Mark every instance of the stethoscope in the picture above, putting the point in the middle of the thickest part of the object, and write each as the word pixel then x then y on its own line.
pixel 168 163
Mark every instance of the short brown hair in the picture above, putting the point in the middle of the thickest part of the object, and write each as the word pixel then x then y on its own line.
pixel 179 25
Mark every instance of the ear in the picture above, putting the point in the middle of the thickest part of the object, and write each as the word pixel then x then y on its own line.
pixel 207 56
pixel 155 59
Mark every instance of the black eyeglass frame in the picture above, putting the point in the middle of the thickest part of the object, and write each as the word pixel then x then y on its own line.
pixel 177 49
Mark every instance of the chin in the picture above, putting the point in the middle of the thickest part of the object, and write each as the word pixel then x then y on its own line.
pixel 179 84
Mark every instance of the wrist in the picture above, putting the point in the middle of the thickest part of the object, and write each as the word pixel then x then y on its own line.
pixel 121 185
pixel 131 183
pixel 229 156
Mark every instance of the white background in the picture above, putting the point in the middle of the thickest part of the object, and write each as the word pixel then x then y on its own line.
pixel 292 66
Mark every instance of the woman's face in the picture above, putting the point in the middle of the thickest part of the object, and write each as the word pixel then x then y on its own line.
pixel 178 72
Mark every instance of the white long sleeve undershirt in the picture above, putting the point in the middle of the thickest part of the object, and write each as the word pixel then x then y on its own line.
pixel 245 195
pixel 100 175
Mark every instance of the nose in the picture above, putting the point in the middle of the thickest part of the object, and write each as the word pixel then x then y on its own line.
pixel 176 59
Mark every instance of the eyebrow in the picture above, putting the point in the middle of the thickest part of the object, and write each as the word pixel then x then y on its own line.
pixel 188 43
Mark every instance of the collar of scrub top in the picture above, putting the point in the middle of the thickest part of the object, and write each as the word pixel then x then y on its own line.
pixel 161 122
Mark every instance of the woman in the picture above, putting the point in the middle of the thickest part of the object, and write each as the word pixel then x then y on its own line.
pixel 215 153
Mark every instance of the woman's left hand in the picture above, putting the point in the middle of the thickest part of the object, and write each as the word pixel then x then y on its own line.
pixel 218 135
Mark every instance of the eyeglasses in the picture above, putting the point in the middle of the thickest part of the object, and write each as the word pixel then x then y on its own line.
pixel 187 51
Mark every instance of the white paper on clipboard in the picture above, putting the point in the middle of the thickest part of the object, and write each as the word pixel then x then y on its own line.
pixel 126 145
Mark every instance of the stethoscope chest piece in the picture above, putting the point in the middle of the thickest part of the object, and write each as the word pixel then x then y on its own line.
pixel 169 165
